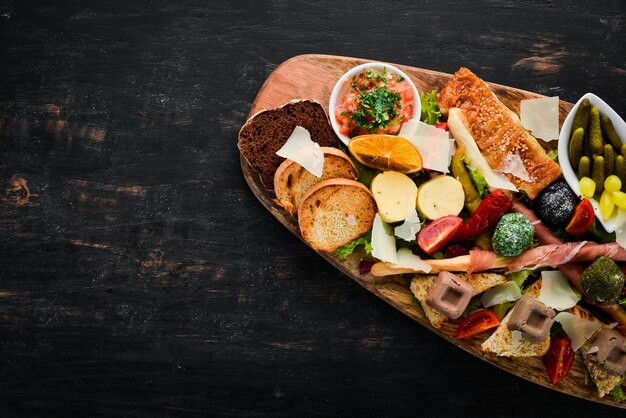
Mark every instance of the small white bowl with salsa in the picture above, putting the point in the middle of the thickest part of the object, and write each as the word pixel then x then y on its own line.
pixel 372 98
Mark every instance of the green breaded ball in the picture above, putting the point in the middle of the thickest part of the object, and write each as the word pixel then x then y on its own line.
pixel 603 280
pixel 514 233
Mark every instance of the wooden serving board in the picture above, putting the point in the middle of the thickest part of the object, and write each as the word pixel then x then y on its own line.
pixel 313 77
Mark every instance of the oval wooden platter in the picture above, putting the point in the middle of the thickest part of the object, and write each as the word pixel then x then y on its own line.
pixel 313 77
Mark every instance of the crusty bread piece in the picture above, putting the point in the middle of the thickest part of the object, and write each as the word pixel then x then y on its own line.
pixel 604 382
pixel 421 284
pixel 334 212
pixel 292 181
pixel 501 341
pixel 267 131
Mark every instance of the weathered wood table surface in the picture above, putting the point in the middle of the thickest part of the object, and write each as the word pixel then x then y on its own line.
pixel 138 274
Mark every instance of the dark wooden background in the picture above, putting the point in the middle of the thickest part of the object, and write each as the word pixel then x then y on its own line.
pixel 141 277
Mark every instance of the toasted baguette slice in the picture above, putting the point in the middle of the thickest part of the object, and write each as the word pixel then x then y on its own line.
pixel 268 130
pixel 604 382
pixel 292 181
pixel 501 341
pixel 334 212
pixel 421 284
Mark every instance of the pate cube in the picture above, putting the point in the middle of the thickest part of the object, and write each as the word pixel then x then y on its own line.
pixel 532 318
pixel 450 295
pixel 611 354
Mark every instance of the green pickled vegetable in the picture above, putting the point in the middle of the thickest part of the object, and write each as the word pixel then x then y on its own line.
pixel 472 198
pixel 576 147
pixel 620 170
pixel 584 167
pixel 609 132
pixel 596 144
pixel 597 173
pixel 609 160
pixel 603 280
pixel 581 119
pixel 514 233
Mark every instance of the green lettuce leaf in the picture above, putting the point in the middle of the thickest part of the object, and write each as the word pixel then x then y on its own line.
pixel 349 248
pixel 618 393
pixel 479 182
pixel 430 109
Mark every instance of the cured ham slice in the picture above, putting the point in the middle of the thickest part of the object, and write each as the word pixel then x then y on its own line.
pixel 573 271
pixel 554 255
pixel 481 260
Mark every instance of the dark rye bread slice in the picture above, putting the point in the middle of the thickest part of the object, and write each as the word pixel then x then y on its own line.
pixel 268 130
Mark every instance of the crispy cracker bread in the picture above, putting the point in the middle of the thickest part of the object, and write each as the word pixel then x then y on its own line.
pixel 603 381
pixel 498 131
pixel 421 284
pixel 292 181
pixel 501 341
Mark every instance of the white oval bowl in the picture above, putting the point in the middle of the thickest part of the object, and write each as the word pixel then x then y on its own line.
pixel 619 215
pixel 344 83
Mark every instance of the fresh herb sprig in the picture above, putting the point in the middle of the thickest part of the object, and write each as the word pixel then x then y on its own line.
pixel 377 109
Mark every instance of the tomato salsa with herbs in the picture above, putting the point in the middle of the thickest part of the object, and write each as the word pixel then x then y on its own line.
pixel 376 102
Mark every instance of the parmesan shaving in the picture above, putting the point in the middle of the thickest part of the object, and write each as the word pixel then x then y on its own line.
pixel 351 220
pixel 541 117
pixel 506 292
pixel 556 292
pixel 579 330
pixel 593 349
pixel 409 229
pixel 512 164
pixel 434 144
pixel 383 241
pixel 516 338
pixel 301 149
pixel 406 259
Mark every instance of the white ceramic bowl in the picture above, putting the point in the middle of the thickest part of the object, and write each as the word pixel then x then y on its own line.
pixel 344 83
pixel 619 216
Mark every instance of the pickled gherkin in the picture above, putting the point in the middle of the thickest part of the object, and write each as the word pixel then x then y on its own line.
pixel 581 119
pixel 609 160
pixel 609 132
pixel 620 170
pixel 596 144
pixel 576 147
pixel 584 167
pixel 597 173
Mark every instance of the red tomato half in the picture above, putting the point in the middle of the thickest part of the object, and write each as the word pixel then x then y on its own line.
pixel 476 323
pixel 442 125
pixel 438 233
pixel 559 359
pixel 582 219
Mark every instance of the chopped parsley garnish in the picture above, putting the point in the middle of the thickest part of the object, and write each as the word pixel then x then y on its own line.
pixel 377 109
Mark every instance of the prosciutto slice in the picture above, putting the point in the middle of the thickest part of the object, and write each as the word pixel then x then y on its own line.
pixel 572 270
pixel 552 255
pixel 481 260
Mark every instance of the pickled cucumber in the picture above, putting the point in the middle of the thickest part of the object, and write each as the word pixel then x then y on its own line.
pixel 596 144
pixel 609 132
pixel 609 160
pixel 597 173
pixel 576 147
pixel 620 170
pixel 584 167
pixel 581 119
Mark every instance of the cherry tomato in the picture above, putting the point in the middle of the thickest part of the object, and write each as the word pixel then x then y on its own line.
pixel 442 125
pixel 559 359
pixel 437 233
pixel 582 219
pixel 476 323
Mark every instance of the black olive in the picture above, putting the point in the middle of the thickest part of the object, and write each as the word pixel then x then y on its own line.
pixel 556 204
